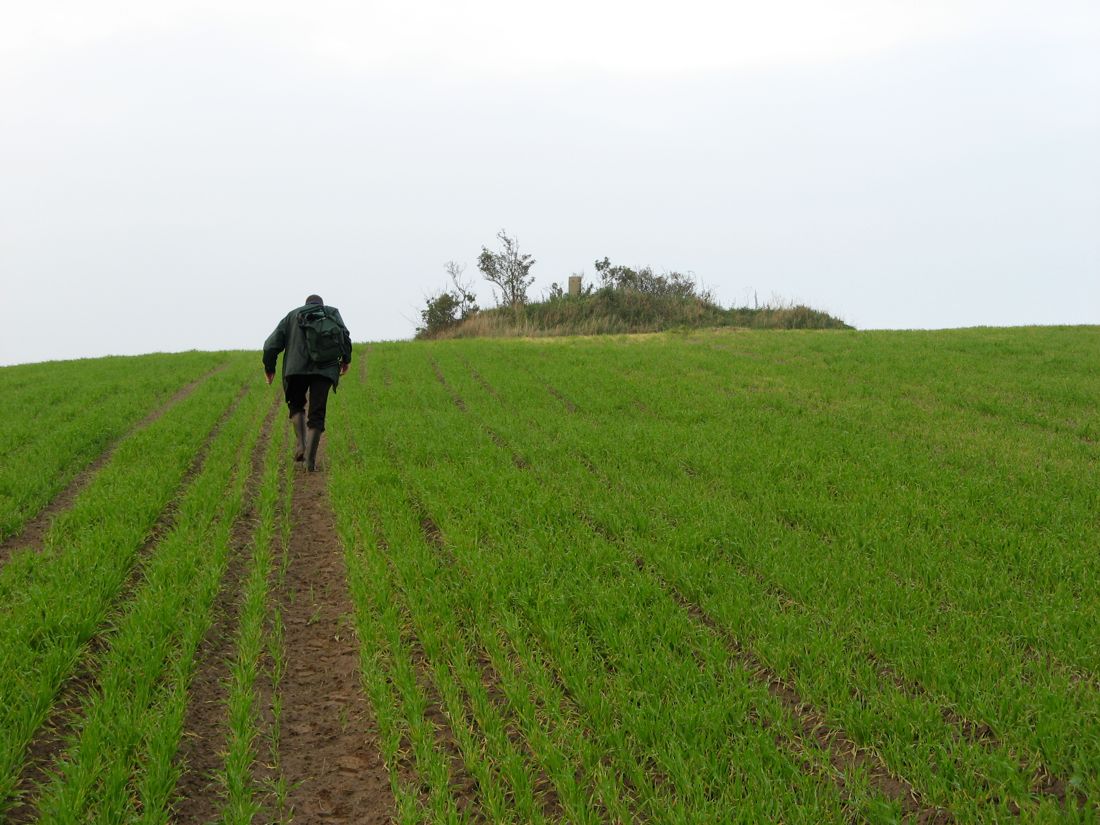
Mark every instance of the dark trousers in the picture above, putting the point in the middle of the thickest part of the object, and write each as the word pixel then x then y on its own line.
pixel 317 386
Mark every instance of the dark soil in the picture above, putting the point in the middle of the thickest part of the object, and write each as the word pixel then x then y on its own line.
pixel 464 787
pixel 48 744
pixel 843 753
pixel 35 530
pixel 204 724
pixel 1043 782
pixel 558 394
pixel 329 741
pixel 520 462
pixel 485 385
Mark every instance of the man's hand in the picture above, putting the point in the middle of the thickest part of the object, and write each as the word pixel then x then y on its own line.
pixel 344 367
pixel 270 376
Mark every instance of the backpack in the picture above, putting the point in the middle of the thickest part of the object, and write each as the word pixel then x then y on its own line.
pixel 324 336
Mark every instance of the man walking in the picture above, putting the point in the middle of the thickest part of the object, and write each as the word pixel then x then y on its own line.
pixel 318 352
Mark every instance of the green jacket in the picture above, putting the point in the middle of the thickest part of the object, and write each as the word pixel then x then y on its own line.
pixel 289 337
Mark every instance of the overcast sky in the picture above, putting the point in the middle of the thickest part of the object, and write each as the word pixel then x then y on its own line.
pixel 178 175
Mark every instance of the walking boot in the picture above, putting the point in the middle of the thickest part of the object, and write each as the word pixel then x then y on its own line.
pixel 313 439
pixel 299 422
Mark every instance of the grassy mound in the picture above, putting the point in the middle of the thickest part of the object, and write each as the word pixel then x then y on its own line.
pixel 617 311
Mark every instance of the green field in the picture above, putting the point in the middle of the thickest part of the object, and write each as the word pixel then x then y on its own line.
pixel 772 576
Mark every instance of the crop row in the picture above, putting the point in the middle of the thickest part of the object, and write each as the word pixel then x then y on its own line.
pixel 101 625
pixel 841 574
pixel 705 577
pixel 252 720
pixel 58 417
pixel 760 577
pixel 627 676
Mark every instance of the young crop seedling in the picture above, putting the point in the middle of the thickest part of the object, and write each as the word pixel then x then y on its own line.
pixel 711 576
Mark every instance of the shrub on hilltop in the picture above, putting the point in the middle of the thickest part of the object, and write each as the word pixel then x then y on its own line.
pixel 609 311
pixel 627 300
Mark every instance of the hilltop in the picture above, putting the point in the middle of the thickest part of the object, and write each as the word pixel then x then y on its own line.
pixel 628 300
pixel 612 312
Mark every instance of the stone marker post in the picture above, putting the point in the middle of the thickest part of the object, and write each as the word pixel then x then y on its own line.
pixel 574 284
